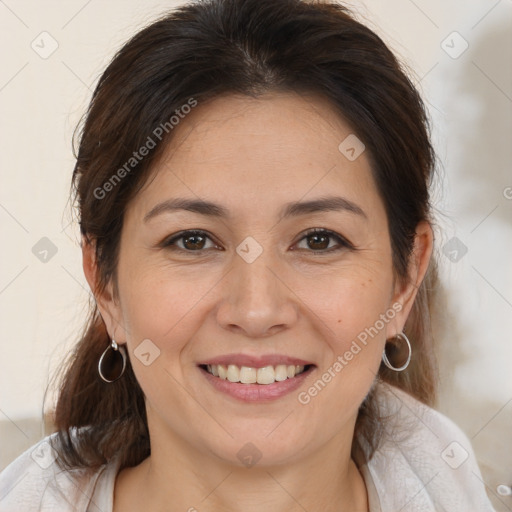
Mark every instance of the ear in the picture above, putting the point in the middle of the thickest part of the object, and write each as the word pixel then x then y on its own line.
pixel 108 307
pixel 405 293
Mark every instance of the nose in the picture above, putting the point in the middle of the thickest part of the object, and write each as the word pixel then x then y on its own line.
pixel 256 301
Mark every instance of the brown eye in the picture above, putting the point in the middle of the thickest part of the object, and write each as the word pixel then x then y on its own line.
pixel 321 240
pixel 194 242
pixel 190 241
pixel 318 241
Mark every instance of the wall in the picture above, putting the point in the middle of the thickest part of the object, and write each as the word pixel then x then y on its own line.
pixel 42 289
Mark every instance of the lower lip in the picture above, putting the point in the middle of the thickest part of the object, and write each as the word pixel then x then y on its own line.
pixel 257 392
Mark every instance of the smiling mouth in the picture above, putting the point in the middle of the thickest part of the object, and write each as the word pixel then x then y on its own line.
pixel 248 375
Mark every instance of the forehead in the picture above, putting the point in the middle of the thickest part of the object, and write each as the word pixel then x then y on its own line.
pixel 250 152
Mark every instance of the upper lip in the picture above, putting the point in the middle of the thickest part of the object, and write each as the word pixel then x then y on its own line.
pixel 255 361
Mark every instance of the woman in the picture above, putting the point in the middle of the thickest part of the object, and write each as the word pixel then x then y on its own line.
pixel 252 188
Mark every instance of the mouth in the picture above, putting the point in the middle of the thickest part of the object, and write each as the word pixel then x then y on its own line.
pixel 250 375
pixel 256 379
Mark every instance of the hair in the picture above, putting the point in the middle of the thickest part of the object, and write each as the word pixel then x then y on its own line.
pixel 198 52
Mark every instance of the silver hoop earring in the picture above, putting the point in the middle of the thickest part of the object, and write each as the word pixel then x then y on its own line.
pixel 112 363
pixel 385 359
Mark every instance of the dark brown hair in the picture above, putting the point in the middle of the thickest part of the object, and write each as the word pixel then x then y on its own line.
pixel 198 52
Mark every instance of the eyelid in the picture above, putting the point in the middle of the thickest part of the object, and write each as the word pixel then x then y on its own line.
pixel 343 242
pixel 170 241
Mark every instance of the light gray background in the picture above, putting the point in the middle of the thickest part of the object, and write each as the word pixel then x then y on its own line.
pixel 470 102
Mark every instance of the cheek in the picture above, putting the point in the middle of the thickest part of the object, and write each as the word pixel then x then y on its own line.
pixel 361 308
pixel 353 320
pixel 163 306
pixel 351 303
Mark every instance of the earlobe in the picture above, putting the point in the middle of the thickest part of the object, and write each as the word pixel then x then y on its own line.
pixel 89 263
pixel 418 265
pixel 107 307
pixel 422 252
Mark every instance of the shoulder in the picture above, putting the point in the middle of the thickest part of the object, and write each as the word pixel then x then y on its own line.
pixel 425 461
pixel 35 482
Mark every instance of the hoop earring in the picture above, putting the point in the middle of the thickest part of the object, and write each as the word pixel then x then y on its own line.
pixel 385 359
pixel 112 363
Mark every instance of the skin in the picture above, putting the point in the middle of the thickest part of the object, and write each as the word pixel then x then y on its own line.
pixel 253 156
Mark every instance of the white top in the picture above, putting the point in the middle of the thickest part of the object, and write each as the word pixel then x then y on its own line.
pixel 425 463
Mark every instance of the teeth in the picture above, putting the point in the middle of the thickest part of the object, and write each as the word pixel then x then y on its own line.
pixel 233 373
pixel 266 375
pixel 222 371
pixel 247 375
pixel 281 372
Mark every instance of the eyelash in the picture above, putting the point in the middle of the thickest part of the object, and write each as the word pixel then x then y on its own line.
pixel 170 243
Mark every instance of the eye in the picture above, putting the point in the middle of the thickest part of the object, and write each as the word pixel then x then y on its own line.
pixel 315 240
pixel 322 240
pixel 190 241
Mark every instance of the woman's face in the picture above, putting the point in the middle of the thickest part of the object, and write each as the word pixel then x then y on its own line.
pixel 254 287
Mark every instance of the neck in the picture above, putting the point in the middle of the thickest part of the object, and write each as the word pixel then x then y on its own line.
pixel 177 477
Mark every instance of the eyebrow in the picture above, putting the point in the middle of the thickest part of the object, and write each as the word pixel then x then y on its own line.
pixel 295 209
